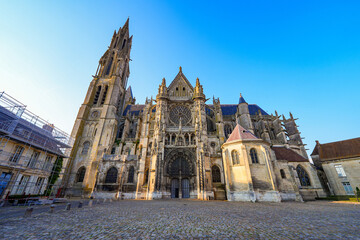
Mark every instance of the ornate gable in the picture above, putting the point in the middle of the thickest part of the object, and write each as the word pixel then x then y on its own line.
pixel 180 87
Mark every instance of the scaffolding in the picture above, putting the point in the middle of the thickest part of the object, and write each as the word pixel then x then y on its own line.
pixel 38 150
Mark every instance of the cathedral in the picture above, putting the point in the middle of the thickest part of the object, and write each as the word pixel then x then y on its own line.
pixel 181 144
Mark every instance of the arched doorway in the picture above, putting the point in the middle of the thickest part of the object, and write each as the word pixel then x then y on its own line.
pixel 185 188
pixel 175 188
pixel 180 169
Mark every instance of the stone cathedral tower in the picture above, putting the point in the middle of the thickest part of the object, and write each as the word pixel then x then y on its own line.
pixel 95 128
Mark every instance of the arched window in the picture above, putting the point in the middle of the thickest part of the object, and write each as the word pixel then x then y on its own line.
pixel 253 155
pixel 228 130
pixel 149 148
pixel 80 174
pixel 123 45
pixel 215 172
pixel 86 147
pixel 282 173
pixel 303 176
pixel 173 138
pixel 104 94
pixel 109 66
pixel 131 175
pixel 180 141
pixel 146 176
pixel 97 94
pixel 193 141
pixel 235 157
pixel 187 139
pixel 111 175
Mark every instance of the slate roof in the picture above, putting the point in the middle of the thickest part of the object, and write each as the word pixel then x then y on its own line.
pixel 283 153
pixel 240 133
pixel 230 109
pixel 227 109
pixel 241 99
pixel 338 150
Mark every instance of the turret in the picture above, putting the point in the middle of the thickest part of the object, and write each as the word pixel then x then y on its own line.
pixel 162 93
pixel 198 91
pixel 243 115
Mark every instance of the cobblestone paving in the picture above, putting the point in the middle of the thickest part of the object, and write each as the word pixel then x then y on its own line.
pixel 190 219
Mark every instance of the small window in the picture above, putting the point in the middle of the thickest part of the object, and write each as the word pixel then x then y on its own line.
pixel 33 159
pixel 47 163
pixel 80 174
pixel 86 147
pixel 303 176
pixel 123 45
pixel 183 89
pixel 109 66
pixel 177 89
pixel 253 155
pixel 16 154
pixel 235 157
pixel 282 173
pixel 131 175
pixel 340 171
pixel 146 176
pixel 111 175
pixel 228 130
pixel 104 95
pixel 113 150
pixel 215 172
pixel 348 189
pixel 97 94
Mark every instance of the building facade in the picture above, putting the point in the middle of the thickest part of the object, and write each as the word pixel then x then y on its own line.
pixel 29 148
pixel 178 145
pixel 338 165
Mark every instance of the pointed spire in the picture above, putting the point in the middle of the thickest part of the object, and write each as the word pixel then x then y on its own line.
pixel 276 113
pixel 197 82
pixel 126 25
pixel 291 116
pixel 241 99
pixel 180 69
pixel 163 83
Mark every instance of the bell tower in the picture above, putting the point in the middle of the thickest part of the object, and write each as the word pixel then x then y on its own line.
pixel 96 124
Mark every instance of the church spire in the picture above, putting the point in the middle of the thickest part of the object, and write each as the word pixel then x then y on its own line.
pixel 198 90
pixel 162 93
pixel 241 99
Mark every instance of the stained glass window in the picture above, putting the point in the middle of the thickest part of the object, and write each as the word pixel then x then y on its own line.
pixel 182 113
pixel 111 175
pixel 215 172
pixel 303 176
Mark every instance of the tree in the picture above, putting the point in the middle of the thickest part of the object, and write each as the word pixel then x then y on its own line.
pixel 55 173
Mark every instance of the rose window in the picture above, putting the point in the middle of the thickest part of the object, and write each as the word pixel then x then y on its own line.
pixel 180 113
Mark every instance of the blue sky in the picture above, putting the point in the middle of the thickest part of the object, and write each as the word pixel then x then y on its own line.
pixel 298 56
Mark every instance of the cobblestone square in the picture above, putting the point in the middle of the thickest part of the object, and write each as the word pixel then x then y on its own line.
pixel 131 219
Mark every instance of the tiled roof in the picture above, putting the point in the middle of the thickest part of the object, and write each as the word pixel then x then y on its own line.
pixel 283 153
pixel 338 150
pixel 240 133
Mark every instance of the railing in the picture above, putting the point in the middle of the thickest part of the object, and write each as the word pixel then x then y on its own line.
pixel 23 163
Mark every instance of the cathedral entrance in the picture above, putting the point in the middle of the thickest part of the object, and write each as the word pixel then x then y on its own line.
pixel 185 188
pixel 175 188
pixel 180 171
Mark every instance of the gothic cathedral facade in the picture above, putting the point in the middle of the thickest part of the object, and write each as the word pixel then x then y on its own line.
pixel 178 145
